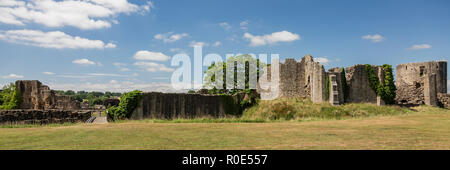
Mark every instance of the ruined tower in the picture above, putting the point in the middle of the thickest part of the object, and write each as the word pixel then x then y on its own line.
pixel 420 83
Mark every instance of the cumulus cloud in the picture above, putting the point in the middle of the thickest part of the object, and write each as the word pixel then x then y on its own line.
pixel 153 67
pixel 54 39
pixel 225 25
pixel 85 62
pixel 149 55
pixel 12 76
pixel 170 37
pixel 276 37
pixel 420 47
pixel 84 14
pixel 374 38
pixel 195 43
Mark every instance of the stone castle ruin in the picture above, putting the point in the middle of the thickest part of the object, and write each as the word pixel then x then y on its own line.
pixel 417 83
pixel 38 96
pixel 422 83
pixel 41 105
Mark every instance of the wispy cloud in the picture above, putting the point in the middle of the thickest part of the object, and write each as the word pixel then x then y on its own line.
pixel 13 76
pixel 54 39
pixel 170 37
pixel 420 47
pixel 374 38
pixel 225 25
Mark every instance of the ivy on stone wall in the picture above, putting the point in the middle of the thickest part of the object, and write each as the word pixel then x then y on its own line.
pixel 344 84
pixel 386 91
pixel 327 94
pixel 128 102
pixel 389 85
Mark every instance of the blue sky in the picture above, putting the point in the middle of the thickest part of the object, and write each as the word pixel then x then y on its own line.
pixel 122 45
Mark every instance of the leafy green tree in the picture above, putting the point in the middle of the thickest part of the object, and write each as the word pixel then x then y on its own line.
pixel 10 97
pixel 240 61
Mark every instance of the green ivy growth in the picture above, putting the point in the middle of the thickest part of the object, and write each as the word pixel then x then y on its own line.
pixel 128 102
pixel 345 87
pixel 386 91
pixel 327 95
pixel 10 97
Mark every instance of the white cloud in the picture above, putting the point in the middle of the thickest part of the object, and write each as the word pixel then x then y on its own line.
pixel 217 43
pixel 170 37
pixel 149 55
pixel 420 47
pixel 244 25
pixel 54 39
pixel 225 25
pixel 85 62
pixel 323 60
pixel 153 67
pixel 201 44
pixel 116 86
pixel 48 73
pixel 374 38
pixel 12 76
pixel 85 14
pixel 121 66
pixel 282 36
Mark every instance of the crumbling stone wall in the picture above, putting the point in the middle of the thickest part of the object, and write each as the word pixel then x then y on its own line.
pixel 35 95
pixel 181 105
pixel 359 86
pixel 443 100
pixel 410 81
pixel 304 79
pixel 336 91
pixel 21 116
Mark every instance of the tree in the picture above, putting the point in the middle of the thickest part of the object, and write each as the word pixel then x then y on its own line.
pixel 10 97
pixel 242 65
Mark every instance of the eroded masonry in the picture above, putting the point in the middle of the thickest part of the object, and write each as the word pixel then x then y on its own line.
pixel 416 83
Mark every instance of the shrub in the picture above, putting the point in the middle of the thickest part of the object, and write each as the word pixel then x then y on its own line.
pixel 10 97
pixel 386 91
pixel 128 102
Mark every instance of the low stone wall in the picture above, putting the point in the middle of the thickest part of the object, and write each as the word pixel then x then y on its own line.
pixel 181 105
pixel 443 100
pixel 42 116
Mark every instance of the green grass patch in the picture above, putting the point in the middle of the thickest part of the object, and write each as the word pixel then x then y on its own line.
pixel 300 109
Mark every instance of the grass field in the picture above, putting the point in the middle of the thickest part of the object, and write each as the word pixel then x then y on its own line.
pixel 425 128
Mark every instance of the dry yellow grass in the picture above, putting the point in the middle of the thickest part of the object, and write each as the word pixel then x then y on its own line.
pixel 428 128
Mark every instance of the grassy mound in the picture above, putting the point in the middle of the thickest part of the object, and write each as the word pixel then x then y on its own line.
pixel 299 109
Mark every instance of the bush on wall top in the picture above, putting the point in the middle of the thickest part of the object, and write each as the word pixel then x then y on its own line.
pixel 128 102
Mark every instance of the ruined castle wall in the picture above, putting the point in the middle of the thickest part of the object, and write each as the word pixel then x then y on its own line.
pixel 359 86
pixel 292 80
pixel 42 116
pixel 304 79
pixel 180 105
pixel 336 95
pixel 443 100
pixel 35 95
pixel 410 81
